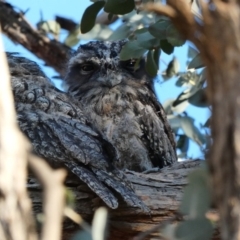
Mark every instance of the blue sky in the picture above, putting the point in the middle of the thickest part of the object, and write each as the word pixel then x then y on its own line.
pixel 74 11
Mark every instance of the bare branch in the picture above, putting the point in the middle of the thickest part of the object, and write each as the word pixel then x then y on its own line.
pixel 16 27
pixel 54 197
pixel 16 221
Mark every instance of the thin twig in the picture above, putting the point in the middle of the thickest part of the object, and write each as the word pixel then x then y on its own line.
pixel 54 196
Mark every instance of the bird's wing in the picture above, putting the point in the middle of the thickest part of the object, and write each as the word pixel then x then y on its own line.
pixel 157 134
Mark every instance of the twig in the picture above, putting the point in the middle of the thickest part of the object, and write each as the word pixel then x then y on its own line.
pixel 54 196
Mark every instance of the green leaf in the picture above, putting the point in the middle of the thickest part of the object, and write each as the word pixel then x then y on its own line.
pixel 187 124
pixel 183 143
pixel 151 67
pixel 197 195
pixel 159 29
pixel 156 56
pixel 199 99
pixel 147 41
pixel 166 46
pixel 119 6
pixel 190 78
pixel 131 50
pixel 172 68
pixel 99 32
pixel 179 106
pixel 50 26
pixel 196 199
pixel 73 38
pixel 207 123
pixel 174 121
pixel 120 33
pixel 196 63
pixel 192 52
pixel 174 37
pixel 197 229
pixel 89 16
pixel 167 105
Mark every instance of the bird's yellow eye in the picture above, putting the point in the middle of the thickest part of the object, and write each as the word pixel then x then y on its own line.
pixel 86 68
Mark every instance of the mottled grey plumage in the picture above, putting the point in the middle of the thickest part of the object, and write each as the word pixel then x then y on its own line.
pixel 62 134
pixel 120 102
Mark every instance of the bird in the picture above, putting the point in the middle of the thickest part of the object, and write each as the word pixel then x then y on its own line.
pixel 61 133
pixel 119 99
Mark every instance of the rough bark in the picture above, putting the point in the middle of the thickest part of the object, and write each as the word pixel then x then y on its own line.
pixel 161 192
pixel 17 28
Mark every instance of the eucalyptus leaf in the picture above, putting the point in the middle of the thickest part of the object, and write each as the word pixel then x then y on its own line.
pixel 131 50
pixel 174 121
pixel 119 6
pixel 156 55
pixel 172 68
pixel 207 123
pixel 190 78
pixel 147 41
pixel 167 105
pixel 197 229
pixel 180 107
pixel 197 195
pixel 174 37
pixel 99 32
pixel 166 46
pixel 120 33
pixel 89 16
pixel 159 29
pixel 186 95
pixel 50 26
pixel 196 62
pixel 73 38
pixel 192 52
pixel 183 143
pixel 187 124
pixel 199 99
pixel 151 67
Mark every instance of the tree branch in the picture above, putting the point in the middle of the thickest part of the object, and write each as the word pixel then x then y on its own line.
pixel 161 192
pixel 16 27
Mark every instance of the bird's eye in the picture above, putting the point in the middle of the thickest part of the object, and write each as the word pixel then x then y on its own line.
pixel 130 64
pixel 86 68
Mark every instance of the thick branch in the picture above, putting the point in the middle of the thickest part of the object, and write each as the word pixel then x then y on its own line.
pixel 16 27
pixel 161 192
